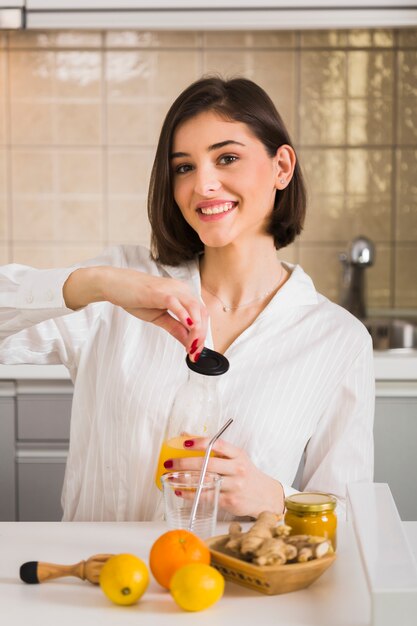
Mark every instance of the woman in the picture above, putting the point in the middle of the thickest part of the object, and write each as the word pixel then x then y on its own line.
pixel 226 191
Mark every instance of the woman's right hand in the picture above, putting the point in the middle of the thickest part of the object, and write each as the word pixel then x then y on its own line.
pixel 165 302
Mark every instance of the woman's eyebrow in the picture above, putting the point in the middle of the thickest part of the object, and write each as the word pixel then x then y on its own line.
pixel 214 146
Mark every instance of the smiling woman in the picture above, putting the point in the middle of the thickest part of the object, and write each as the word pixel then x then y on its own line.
pixel 226 193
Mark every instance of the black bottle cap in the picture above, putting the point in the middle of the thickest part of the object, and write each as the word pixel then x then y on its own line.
pixel 210 363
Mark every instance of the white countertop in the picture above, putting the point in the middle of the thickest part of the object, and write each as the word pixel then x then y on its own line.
pixel 338 598
pixel 388 366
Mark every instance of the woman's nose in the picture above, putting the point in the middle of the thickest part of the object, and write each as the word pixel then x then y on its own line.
pixel 206 182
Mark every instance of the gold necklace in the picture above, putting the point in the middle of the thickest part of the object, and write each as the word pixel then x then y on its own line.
pixel 227 308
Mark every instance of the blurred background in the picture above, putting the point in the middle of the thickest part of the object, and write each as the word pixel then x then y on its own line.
pixel 80 113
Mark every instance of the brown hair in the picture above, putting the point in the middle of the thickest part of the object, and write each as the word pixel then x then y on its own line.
pixel 173 240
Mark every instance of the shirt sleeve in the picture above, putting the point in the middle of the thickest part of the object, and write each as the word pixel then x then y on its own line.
pixel 341 450
pixel 36 326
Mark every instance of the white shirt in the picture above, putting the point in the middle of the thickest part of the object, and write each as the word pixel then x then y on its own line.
pixel 300 377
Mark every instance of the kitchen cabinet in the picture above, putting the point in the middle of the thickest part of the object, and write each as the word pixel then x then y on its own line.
pixel 395 434
pixel 34 436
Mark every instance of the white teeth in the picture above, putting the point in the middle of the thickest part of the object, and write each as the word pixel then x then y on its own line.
pixel 220 208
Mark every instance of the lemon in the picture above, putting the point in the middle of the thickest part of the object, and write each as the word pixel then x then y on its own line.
pixel 196 586
pixel 124 578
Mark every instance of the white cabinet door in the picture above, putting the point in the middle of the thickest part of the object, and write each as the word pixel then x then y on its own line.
pixel 395 434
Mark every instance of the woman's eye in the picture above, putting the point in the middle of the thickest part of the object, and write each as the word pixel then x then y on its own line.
pixel 228 158
pixel 183 169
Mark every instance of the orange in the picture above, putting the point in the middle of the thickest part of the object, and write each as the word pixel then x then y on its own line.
pixel 124 578
pixel 195 587
pixel 173 550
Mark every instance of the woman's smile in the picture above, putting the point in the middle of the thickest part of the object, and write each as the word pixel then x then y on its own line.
pixel 215 209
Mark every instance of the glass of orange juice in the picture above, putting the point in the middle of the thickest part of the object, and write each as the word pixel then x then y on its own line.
pixel 196 410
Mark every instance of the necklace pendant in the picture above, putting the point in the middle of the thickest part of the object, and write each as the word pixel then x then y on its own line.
pixel 226 309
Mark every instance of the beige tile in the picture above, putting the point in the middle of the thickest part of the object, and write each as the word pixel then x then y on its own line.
pixel 32 171
pixel 407 75
pixel 4 254
pixel 338 218
pixel 369 122
pixel 55 39
pixel 56 255
pixel 79 172
pixel 147 74
pixel 77 74
pixel 370 73
pixel 289 254
pixel 128 221
pixel 249 39
pixel 273 70
pixel 322 74
pixel 78 124
pixel 128 171
pixel 407 121
pixel 323 38
pixel 406 216
pixel 3 41
pixel 407 37
pixel 369 172
pixel 323 122
pixel 130 124
pixel 324 170
pixel 4 197
pixel 80 220
pixel 3 97
pixel 31 74
pixel 362 38
pixel 34 218
pixel 32 123
pixel 322 264
pixel 151 39
pixel 405 276
pixel 378 278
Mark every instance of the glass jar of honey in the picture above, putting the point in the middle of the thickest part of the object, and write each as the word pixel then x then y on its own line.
pixel 312 514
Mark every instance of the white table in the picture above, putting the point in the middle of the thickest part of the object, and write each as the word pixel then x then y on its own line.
pixel 339 598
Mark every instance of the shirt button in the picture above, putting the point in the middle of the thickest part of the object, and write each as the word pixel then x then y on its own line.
pixel 29 298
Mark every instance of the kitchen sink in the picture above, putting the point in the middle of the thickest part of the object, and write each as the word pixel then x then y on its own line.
pixel 393 334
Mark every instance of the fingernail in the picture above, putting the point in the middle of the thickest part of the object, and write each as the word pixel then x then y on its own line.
pixel 168 464
pixel 189 443
pixel 194 346
pixel 178 492
pixel 189 321
pixel 197 356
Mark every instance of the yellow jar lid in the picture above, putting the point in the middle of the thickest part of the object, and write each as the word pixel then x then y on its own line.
pixel 312 502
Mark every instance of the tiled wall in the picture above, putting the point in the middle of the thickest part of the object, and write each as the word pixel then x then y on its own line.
pixel 80 114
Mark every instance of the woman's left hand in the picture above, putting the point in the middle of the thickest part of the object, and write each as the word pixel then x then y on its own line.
pixel 245 490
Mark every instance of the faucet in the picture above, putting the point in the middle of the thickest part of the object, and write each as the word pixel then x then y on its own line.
pixel 361 254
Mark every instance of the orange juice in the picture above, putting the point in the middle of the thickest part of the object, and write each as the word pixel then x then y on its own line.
pixel 174 449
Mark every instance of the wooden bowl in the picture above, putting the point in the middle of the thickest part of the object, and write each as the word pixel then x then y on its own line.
pixel 268 579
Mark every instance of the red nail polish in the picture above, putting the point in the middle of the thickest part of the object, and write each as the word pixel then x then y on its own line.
pixel 189 321
pixel 197 356
pixel 178 492
pixel 168 464
pixel 189 443
pixel 194 346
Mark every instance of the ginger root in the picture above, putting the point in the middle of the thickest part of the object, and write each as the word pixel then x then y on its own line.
pixel 268 542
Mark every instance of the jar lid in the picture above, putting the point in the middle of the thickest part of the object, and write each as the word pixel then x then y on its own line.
pixel 210 363
pixel 310 502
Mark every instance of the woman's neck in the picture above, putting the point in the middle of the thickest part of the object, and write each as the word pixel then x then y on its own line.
pixel 240 274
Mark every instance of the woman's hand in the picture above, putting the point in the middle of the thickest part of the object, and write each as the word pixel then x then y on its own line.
pixel 245 490
pixel 165 302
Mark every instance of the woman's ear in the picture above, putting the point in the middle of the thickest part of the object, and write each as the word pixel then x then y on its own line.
pixel 285 161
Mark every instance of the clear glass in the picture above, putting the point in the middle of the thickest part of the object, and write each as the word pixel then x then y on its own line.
pixel 179 489
pixel 196 412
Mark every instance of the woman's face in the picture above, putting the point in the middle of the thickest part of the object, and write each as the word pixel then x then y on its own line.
pixel 224 181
